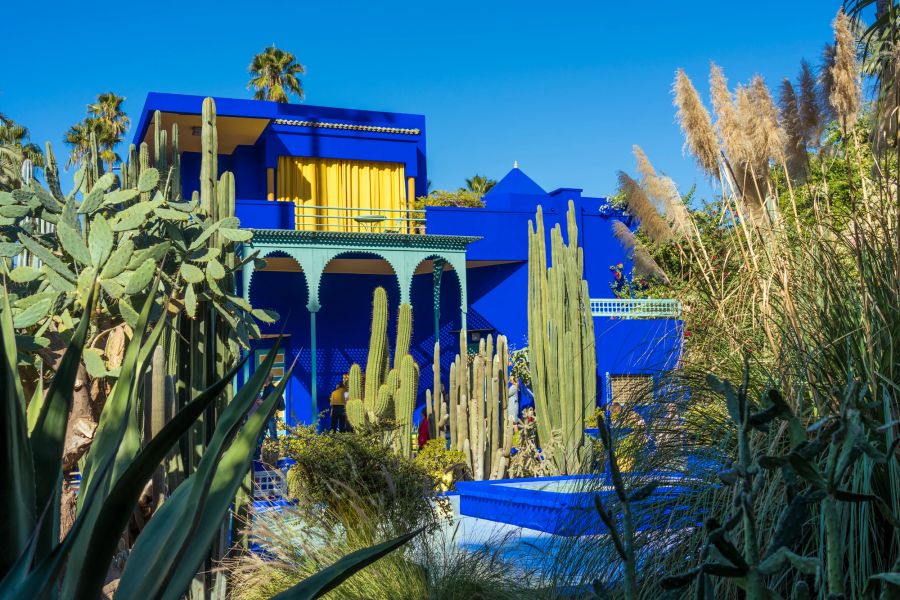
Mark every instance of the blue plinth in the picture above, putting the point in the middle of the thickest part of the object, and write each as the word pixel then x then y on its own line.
pixel 566 505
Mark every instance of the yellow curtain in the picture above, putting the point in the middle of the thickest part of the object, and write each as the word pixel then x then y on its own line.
pixel 330 194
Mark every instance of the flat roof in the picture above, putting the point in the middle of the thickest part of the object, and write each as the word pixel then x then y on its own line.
pixel 248 117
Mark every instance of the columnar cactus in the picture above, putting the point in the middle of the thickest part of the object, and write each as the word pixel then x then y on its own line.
pixel 405 402
pixel 561 343
pixel 476 412
pixel 386 394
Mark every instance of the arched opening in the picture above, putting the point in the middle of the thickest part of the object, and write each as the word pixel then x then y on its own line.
pixel 281 286
pixel 436 295
pixel 343 321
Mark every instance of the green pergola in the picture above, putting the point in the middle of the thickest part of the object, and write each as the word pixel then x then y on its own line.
pixel 313 250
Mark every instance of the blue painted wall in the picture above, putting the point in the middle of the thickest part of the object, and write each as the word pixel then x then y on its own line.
pixel 497 293
pixel 343 327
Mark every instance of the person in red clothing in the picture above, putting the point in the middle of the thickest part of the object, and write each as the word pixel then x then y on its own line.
pixel 424 433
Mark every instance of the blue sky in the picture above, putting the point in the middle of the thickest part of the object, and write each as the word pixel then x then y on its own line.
pixel 564 88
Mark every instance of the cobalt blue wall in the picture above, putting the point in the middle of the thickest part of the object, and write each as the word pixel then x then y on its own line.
pixel 343 327
pixel 248 163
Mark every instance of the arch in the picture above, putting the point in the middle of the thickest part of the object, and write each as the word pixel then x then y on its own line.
pixel 330 256
pixel 448 259
pixel 248 274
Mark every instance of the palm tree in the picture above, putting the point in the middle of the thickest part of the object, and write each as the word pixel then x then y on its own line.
pixel 107 122
pixel 273 74
pixel 479 184
pixel 15 148
pixel 108 109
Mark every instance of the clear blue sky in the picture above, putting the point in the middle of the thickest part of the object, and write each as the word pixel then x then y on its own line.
pixel 565 88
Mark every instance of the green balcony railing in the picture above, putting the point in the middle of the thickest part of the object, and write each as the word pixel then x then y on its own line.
pixel 342 218
pixel 643 308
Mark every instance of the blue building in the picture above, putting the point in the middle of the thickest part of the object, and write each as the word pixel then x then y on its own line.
pixel 329 193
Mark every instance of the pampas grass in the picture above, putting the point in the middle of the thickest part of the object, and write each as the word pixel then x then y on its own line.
pixel 699 135
pixel 643 263
pixel 845 88
pixel 810 103
pixel 795 148
pixel 664 193
pixel 639 205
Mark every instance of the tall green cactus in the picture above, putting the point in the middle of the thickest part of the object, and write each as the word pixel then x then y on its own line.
pixel 561 343
pixel 385 394
pixel 477 408
pixel 405 402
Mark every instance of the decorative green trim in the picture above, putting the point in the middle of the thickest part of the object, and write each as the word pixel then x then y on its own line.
pixel 360 239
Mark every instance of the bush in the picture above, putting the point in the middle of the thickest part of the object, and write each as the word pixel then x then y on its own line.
pixel 343 476
pixel 444 466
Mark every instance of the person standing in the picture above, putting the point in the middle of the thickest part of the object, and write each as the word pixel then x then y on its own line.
pixel 424 429
pixel 339 407
pixel 512 403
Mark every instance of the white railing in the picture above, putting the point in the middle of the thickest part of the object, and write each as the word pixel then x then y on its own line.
pixel 644 308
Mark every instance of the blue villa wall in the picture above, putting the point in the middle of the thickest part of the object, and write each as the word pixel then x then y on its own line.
pixel 497 263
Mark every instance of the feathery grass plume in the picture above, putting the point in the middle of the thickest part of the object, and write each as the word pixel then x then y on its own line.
pixel 700 137
pixel 767 135
pixel 795 149
pixel 641 207
pixel 826 82
pixel 644 264
pixel 728 122
pixel 810 105
pixel 845 96
pixel 663 192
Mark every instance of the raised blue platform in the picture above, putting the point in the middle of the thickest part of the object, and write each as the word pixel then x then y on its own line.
pixel 565 505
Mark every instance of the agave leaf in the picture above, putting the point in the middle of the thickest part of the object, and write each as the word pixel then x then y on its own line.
pixel 316 586
pixel 123 497
pixel 162 543
pixel 17 496
pixel 114 437
pixel 49 430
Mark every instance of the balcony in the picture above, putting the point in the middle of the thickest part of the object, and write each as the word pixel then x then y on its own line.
pixel 644 308
pixel 269 214
pixel 358 220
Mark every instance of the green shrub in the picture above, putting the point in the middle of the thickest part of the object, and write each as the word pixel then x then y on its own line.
pixel 342 477
pixel 444 466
